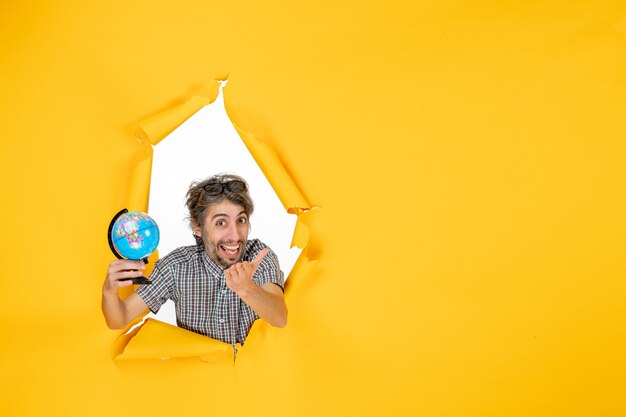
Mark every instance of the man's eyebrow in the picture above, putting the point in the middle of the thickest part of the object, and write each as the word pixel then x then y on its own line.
pixel 226 215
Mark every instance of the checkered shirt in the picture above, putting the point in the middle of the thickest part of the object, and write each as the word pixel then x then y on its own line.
pixel 204 304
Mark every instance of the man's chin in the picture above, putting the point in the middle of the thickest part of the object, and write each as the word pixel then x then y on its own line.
pixel 226 262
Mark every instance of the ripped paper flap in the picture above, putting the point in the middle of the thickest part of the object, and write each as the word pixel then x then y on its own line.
pixel 275 172
pixel 157 126
pixel 158 340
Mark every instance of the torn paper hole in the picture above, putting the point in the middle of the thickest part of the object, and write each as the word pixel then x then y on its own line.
pixel 194 141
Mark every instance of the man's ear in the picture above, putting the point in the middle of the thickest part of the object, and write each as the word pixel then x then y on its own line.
pixel 197 231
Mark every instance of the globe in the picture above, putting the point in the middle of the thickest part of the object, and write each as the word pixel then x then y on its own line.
pixel 134 235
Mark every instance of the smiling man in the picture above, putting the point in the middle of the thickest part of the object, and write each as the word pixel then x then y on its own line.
pixel 221 285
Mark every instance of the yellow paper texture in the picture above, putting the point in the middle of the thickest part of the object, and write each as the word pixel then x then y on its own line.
pixel 469 256
pixel 139 182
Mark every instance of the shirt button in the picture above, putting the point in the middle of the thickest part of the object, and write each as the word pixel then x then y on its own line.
pixel 221 320
pixel 223 291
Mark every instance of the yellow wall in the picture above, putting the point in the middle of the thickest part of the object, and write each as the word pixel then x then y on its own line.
pixel 468 160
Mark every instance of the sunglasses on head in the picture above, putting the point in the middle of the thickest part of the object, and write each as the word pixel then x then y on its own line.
pixel 217 188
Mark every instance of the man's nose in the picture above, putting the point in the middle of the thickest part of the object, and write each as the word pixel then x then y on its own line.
pixel 233 232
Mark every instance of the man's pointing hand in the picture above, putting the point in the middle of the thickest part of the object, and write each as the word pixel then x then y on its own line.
pixel 239 276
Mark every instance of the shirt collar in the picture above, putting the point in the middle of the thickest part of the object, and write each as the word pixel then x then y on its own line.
pixel 214 269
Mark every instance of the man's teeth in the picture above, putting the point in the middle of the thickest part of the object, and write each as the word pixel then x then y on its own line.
pixel 230 249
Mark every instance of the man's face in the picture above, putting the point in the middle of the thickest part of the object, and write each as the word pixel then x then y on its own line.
pixel 225 233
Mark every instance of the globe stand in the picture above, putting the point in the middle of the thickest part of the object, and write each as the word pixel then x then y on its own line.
pixel 138 280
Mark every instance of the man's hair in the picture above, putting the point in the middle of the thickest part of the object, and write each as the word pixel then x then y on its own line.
pixel 213 190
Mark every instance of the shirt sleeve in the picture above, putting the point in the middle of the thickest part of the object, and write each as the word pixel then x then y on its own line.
pixel 269 271
pixel 157 293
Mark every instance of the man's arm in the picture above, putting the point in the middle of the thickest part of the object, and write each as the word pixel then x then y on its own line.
pixel 117 312
pixel 267 300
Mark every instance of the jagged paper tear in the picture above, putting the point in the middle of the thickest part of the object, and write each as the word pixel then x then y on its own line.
pixel 154 339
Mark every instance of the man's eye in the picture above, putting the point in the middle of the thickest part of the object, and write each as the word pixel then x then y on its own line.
pixel 243 220
pixel 220 223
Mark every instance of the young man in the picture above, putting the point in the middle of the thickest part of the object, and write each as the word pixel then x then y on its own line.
pixel 221 285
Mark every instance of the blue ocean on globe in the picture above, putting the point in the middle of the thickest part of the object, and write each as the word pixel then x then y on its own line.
pixel 135 235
